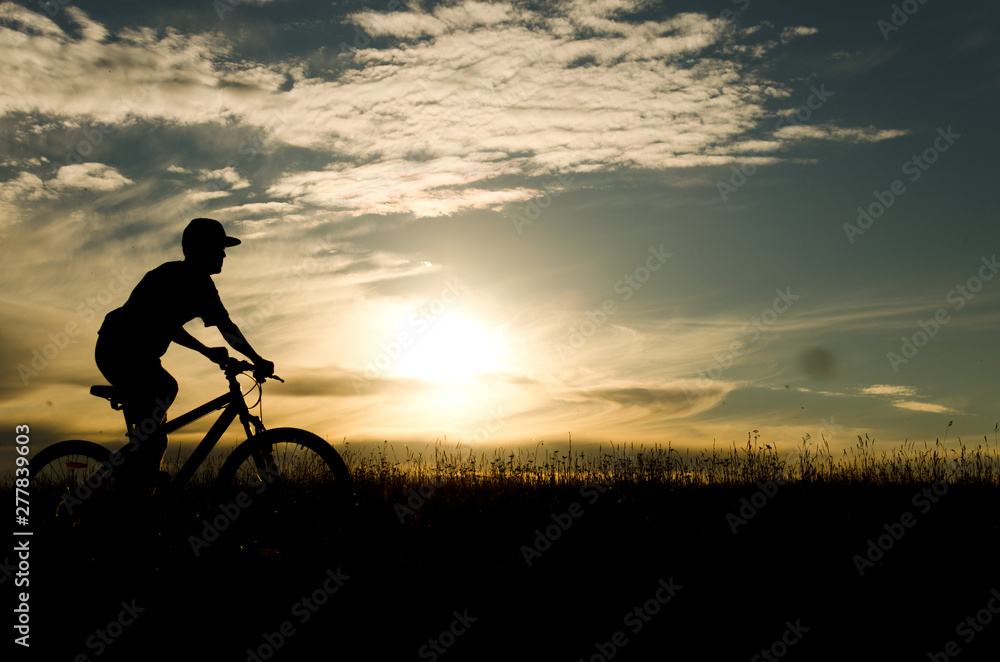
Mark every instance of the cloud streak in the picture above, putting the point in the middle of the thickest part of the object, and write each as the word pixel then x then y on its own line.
pixel 460 99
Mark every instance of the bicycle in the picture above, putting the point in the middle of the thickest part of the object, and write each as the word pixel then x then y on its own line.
pixel 282 468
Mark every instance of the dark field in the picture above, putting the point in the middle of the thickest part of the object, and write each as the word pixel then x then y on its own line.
pixel 632 557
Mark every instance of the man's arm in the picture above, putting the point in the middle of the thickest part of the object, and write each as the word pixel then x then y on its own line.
pixel 237 341
pixel 185 339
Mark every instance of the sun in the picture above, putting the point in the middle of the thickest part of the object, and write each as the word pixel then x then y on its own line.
pixel 452 349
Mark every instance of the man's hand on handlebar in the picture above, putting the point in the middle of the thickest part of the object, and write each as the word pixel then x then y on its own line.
pixel 263 369
pixel 217 355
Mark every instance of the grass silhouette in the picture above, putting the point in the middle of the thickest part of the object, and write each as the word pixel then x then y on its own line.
pixel 446 529
pixel 659 466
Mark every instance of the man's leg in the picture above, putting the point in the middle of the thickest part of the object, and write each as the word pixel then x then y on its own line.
pixel 148 411
pixel 149 390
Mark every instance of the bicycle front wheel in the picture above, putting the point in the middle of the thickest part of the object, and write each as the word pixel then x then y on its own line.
pixel 293 487
pixel 65 477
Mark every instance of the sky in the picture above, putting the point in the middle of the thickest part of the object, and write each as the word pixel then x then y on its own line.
pixel 498 223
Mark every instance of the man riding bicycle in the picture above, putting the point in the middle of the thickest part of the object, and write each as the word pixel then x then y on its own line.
pixel 134 337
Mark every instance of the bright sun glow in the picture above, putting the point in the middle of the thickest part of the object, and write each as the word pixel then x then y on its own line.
pixel 452 349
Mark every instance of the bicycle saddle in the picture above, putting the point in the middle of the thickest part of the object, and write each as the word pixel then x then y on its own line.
pixel 108 392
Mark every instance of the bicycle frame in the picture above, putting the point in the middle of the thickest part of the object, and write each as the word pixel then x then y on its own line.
pixel 232 405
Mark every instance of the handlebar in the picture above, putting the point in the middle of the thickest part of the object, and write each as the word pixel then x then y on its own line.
pixel 233 367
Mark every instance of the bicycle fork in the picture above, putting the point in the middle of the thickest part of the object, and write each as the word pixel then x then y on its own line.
pixel 263 457
pixel 263 460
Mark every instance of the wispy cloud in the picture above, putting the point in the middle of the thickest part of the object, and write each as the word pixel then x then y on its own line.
pixel 787 34
pixel 430 188
pixel 18 196
pixel 839 134
pixel 671 400
pixel 898 396
pixel 931 408
pixel 463 97
pixel 228 177
pixel 95 176
pixel 888 389
pixel 255 209
pixel 18 193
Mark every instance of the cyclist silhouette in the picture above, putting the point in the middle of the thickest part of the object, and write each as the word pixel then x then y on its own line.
pixel 133 338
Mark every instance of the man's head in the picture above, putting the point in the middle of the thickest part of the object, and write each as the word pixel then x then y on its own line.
pixel 204 243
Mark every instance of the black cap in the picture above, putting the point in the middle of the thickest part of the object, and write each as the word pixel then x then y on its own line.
pixel 206 233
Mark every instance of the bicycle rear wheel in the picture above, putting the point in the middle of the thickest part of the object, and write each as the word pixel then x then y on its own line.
pixel 289 490
pixel 65 477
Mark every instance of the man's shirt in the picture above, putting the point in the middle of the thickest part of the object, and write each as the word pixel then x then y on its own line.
pixel 166 298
